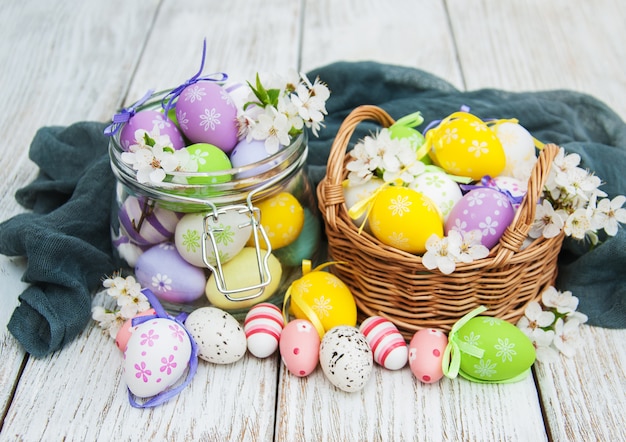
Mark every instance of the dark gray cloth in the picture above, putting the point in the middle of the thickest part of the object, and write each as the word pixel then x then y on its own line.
pixel 66 235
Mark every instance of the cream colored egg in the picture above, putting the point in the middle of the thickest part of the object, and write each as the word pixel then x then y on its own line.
pixel 440 188
pixel 519 149
pixel 354 193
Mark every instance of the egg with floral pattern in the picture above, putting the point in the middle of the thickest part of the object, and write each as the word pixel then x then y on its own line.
pixel 171 278
pixel 231 230
pixel 519 149
pixel 484 209
pixel 465 146
pixel 440 188
pixel 153 122
pixel 508 352
pixel 206 113
pixel 405 218
pixel 324 296
pixel 156 356
pixel 282 218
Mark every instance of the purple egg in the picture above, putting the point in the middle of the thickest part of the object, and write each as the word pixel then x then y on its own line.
pixel 249 152
pixel 171 278
pixel 147 224
pixel 148 120
pixel 483 209
pixel 206 113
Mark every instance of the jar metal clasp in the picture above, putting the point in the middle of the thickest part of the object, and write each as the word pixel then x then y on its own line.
pixel 210 244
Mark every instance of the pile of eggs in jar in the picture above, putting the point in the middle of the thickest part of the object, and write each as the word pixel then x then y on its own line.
pixel 164 245
pixel 434 203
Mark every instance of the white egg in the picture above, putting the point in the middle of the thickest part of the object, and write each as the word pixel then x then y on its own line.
pixel 353 194
pixel 440 188
pixel 219 336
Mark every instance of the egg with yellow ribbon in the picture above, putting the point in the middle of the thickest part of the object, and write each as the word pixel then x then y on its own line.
pixel 321 298
pixel 463 144
pixel 404 218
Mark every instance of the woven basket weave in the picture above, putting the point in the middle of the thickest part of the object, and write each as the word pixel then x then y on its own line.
pixel 394 284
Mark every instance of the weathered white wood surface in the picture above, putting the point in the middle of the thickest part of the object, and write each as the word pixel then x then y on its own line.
pixel 81 60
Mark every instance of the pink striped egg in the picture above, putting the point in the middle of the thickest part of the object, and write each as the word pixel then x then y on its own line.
pixel 390 349
pixel 263 325
pixel 145 223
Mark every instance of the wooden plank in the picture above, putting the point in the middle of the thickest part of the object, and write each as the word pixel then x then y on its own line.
pixel 407 33
pixel 395 406
pixel 538 45
pixel 79 394
pixel 584 398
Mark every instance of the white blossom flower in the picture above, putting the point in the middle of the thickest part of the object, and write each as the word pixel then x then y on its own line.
pixel 535 318
pixel 548 222
pixel 542 341
pixel 564 302
pixel 273 127
pixel 578 224
pixel 109 321
pixel 441 253
pixel 117 286
pixel 567 336
pixel 470 247
pixel 133 303
pixel 611 214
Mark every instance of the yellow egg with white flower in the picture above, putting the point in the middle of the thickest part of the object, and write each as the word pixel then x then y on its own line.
pixel 321 296
pixel 282 218
pixel 404 218
pixel 464 145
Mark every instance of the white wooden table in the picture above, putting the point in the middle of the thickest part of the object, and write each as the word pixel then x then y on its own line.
pixel 77 60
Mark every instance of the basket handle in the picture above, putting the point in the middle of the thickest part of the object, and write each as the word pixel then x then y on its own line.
pixel 333 190
pixel 517 232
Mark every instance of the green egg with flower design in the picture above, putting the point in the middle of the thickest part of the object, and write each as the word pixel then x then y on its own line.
pixel 507 355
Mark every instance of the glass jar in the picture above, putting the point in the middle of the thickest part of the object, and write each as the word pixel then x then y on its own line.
pixel 149 238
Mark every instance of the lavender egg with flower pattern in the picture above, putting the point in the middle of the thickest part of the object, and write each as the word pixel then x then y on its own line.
pixel 247 153
pixel 171 278
pixel 207 113
pixel 156 356
pixel 484 209
pixel 151 121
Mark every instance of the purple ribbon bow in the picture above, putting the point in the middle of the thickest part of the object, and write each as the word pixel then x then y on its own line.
pixel 125 115
pixel 169 100
pixel 193 359
pixel 490 183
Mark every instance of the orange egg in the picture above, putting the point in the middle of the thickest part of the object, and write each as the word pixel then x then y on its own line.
pixel 405 218
pixel 464 145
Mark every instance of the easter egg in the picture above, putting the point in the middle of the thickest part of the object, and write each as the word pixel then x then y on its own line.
pixel 145 223
pixel 207 114
pixel 209 160
pixel 127 329
pixel 305 245
pixel 168 275
pixel 346 358
pixel 299 347
pixel 484 209
pixel 414 136
pixel 151 121
pixel 156 357
pixel 239 273
pixel 426 351
pixel 466 146
pixel 231 230
pixel 440 188
pixel 247 153
pixel 327 297
pixel 508 352
pixel 282 218
pixel 386 342
pixel 404 218
pixel 263 326
pixel 516 188
pixel 219 337
pixel 519 149
pixel 354 193
pixel 127 250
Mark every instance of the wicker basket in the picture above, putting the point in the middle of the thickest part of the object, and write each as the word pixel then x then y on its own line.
pixel 394 284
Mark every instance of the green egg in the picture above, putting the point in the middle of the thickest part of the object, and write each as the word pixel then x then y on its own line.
pixel 508 352
pixel 209 158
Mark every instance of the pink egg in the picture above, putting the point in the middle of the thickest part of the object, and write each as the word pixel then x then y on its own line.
pixel 426 353
pixel 299 347
pixel 263 326
pixel 171 278
pixel 484 209
pixel 387 344
pixel 206 113
pixel 127 329
pixel 517 188
pixel 145 223
pixel 148 120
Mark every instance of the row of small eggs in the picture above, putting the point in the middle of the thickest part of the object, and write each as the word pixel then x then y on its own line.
pixel 165 248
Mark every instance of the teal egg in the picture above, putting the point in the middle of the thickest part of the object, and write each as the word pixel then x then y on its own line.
pixel 305 246
pixel 508 352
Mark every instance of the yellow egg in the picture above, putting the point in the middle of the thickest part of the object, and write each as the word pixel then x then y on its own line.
pixel 466 146
pixel 241 272
pixel 405 218
pixel 326 296
pixel 282 218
